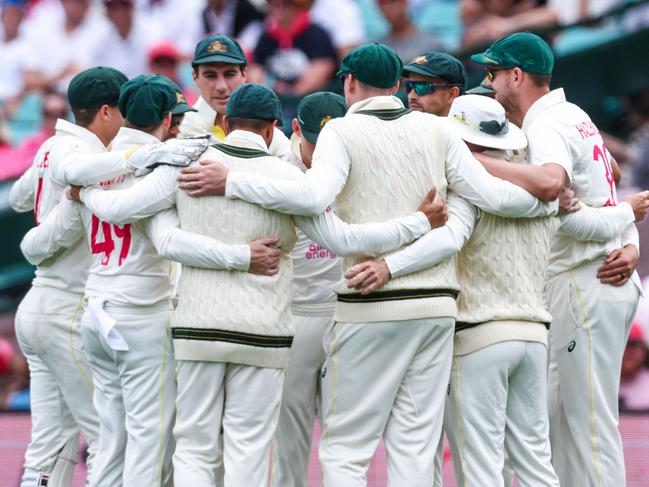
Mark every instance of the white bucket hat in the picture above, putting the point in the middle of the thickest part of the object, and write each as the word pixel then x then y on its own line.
pixel 481 120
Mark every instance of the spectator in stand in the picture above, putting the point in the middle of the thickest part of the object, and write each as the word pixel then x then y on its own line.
pixel 404 36
pixel 345 27
pixel 487 20
pixel 293 55
pixel 180 20
pixel 164 59
pixel 634 383
pixel 14 378
pixel 61 46
pixel 125 44
pixel 12 53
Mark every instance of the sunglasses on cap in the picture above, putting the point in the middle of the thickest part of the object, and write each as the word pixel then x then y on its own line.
pixel 489 127
pixel 426 88
pixel 491 71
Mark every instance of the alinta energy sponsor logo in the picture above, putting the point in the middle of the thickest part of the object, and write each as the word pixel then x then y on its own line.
pixel 318 252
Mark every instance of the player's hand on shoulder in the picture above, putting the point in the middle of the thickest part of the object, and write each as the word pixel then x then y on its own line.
pixel 204 179
pixel 264 257
pixel 368 276
pixel 568 201
pixel 640 204
pixel 173 152
pixel 434 209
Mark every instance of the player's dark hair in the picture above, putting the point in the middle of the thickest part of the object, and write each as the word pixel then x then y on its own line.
pixel 149 129
pixel 540 80
pixel 83 117
pixel 252 124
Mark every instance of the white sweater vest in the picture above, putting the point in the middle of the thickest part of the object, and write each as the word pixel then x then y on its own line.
pixel 502 271
pixel 397 157
pixel 233 316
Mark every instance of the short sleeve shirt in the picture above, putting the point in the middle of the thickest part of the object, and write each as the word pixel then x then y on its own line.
pixel 288 64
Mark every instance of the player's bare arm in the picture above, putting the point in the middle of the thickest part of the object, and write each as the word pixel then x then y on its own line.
pixel 206 178
pixel 545 182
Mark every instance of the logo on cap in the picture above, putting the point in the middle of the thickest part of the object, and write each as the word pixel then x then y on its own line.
pixel 180 98
pixel 217 46
pixel 325 120
pixel 420 60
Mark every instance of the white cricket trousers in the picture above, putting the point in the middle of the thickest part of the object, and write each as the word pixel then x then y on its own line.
pixel 61 385
pixel 300 401
pixel 134 396
pixel 385 379
pixel 497 408
pixel 590 326
pixel 243 401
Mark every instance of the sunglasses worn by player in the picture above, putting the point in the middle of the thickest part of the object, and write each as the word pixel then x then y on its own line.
pixel 491 71
pixel 425 88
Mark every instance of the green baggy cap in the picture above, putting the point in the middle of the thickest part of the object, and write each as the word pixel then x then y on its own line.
pixel 315 110
pixel 95 87
pixel 218 49
pixel 373 64
pixel 181 106
pixel 438 65
pixel 254 101
pixel 147 99
pixel 523 49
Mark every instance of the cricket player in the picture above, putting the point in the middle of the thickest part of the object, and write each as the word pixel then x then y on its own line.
pixel 316 270
pixel 46 321
pixel 498 378
pixel 404 330
pixel 433 81
pixel 126 326
pixel 592 291
pixel 219 67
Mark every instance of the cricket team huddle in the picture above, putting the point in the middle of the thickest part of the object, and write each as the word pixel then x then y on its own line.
pixel 205 286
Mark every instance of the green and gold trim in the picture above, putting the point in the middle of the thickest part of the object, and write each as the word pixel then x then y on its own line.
pixel 397 295
pixel 241 152
pixel 237 337
pixel 463 325
pixel 386 114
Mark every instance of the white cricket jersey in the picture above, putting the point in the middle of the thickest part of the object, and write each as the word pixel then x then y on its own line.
pixel 562 133
pixel 201 122
pixel 69 269
pixel 126 267
pixel 316 270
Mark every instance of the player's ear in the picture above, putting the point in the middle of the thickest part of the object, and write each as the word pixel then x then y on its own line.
pixel 296 127
pixel 166 122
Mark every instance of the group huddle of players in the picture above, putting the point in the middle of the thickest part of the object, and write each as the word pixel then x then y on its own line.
pixel 461 266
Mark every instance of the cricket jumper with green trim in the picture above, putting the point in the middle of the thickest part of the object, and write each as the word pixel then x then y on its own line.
pixel 502 272
pixel 395 155
pixel 236 317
